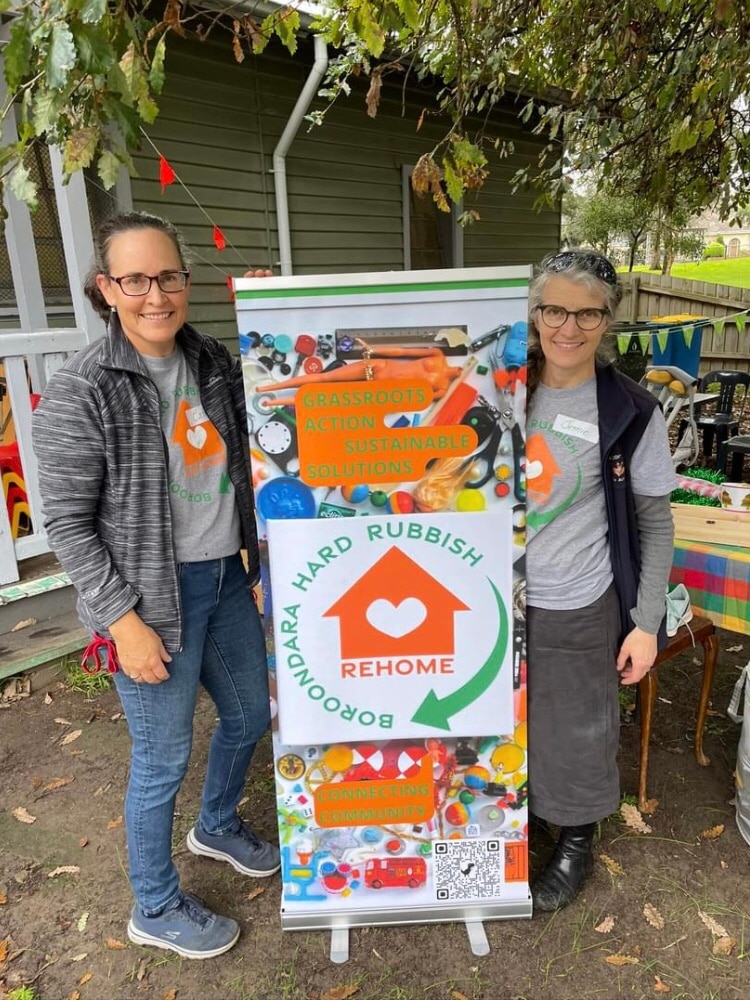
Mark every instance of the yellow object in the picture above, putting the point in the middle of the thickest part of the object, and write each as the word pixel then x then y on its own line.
pixel 658 376
pixel 507 757
pixel 338 758
pixel 677 387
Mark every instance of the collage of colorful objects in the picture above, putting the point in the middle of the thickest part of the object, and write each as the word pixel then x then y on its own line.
pixel 479 383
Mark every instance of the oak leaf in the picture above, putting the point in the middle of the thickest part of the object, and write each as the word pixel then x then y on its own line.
pixel 611 865
pixel 85 978
pixel 64 870
pixel 62 722
pixel 621 960
pixel 3 898
pixel 340 992
pixel 606 925
pixel 633 819
pixel 716 929
pixel 653 917
pixel 712 832
pixel 170 995
pixel 660 986
pixel 650 806
pixel 114 945
pixel 458 995
pixel 56 783
pixel 724 945
pixel 4 945
pixel 75 995
pixel 23 815
pixel 257 891
pixel 70 737
pixel 113 823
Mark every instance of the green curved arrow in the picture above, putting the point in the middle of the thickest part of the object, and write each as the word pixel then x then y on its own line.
pixel 436 712
pixel 536 519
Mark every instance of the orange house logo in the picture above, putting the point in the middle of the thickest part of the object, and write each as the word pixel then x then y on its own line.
pixel 396 608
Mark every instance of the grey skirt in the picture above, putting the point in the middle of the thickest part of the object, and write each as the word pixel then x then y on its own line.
pixel 574 713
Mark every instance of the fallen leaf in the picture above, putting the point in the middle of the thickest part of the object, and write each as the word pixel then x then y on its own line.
pixel 633 819
pixel 76 753
pixel 712 925
pixel 75 995
pixel 606 925
pixel 458 995
pixel 142 970
pixel 85 978
pixel 735 649
pixel 64 870
pixel 169 995
pixel 116 717
pixel 653 917
pixel 340 992
pixel 723 864
pixel 257 891
pixel 82 921
pixel 48 699
pixel 650 806
pixel 24 623
pixel 3 898
pixel 4 945
pixel 611 865
pixel 56 783
pixel 83 841
pixel 660 986
pixel 114 823
pixel 712 833
pixel 23 815
pixel 62 722
pixel 80 958
pixel 70 737
pixel 621 960
pixel 378 955
pixel 114 945
pixel 724 945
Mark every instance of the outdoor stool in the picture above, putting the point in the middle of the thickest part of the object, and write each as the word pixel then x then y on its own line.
pixel 703 632
pixel 736 447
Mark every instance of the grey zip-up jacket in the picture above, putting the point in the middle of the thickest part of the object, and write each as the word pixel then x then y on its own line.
pixel 103 475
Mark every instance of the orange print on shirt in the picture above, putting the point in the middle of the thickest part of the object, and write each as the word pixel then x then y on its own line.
pixel 541 468
pixel 199 441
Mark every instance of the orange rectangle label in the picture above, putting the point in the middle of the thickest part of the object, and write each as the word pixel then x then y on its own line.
pixel 376 801
pixel 517 861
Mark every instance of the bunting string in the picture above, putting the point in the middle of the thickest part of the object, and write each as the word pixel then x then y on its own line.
pixel 661 332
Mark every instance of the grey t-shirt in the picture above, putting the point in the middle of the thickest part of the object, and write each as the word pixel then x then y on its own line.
pixel 569 566
pixel 205 518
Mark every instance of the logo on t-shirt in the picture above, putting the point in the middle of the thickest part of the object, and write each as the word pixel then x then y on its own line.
pixel 201 444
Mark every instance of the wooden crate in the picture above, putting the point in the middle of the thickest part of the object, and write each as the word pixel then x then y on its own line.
pixel 711 524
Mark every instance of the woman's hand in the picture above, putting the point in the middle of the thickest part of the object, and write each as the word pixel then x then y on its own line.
pixel 258 272
pixel 636 656
pixel 140 651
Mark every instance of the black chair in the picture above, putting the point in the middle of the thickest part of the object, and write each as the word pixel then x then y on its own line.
pixel 724 421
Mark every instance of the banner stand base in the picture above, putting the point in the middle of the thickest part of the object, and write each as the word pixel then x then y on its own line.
pixel 477 937
pixel 340 945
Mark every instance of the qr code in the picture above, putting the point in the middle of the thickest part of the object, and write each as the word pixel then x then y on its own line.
pixel 468 869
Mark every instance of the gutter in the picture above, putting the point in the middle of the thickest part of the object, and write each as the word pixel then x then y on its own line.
pixel 299 111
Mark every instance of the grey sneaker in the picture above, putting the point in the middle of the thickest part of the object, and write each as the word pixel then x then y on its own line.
pixel 244 850
pixel 186 927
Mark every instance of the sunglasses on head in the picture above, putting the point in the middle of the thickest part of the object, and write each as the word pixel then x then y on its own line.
pixel 592 262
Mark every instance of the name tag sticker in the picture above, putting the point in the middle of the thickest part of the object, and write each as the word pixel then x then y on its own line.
pixel 196 415
pixel 576 428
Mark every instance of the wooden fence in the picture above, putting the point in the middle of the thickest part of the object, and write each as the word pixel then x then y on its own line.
pixel 649 296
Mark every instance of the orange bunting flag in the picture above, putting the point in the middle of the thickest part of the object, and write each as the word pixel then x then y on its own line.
pixel 219 240
pixel 230 286
pixel 166 174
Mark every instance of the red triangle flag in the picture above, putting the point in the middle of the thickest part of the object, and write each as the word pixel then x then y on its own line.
pixel 166 174
pixel 219 240
pixel 230 286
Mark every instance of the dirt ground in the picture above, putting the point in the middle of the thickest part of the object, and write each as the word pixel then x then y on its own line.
pixel 64 934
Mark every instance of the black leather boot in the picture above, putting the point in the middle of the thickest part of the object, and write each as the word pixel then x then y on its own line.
pixel 567 870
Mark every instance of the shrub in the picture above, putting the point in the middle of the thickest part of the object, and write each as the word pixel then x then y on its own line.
pixel 714 249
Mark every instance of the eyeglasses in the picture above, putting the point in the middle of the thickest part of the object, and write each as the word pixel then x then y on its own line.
pixel 592 262
pixel 586 319
pixel 140 284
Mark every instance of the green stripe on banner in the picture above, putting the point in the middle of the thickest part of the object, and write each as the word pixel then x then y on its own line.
pixel 428 286
pixel 645 340
pixel 687 335
pixel 739 322
pixel 719 327
pixel 623 342
pixel 661 339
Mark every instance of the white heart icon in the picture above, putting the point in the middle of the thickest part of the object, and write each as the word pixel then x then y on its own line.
pixel 197 436
pixel 533 469
pixel 396 620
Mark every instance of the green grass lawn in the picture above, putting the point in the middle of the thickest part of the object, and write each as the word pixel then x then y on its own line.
pixel 734 272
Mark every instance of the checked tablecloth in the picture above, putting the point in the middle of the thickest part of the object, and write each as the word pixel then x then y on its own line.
pixel 718 578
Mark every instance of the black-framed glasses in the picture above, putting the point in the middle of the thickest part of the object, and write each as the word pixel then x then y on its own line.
pixel 586 319
pixel 140 284
pixel 595 263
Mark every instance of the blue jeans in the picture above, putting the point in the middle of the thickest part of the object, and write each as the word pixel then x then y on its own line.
pixel 222 649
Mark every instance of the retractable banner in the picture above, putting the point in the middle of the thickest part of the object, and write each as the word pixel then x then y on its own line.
pixel 387 427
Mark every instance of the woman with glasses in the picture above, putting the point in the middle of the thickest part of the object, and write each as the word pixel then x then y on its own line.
pixel 599 537
pixel 141 440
